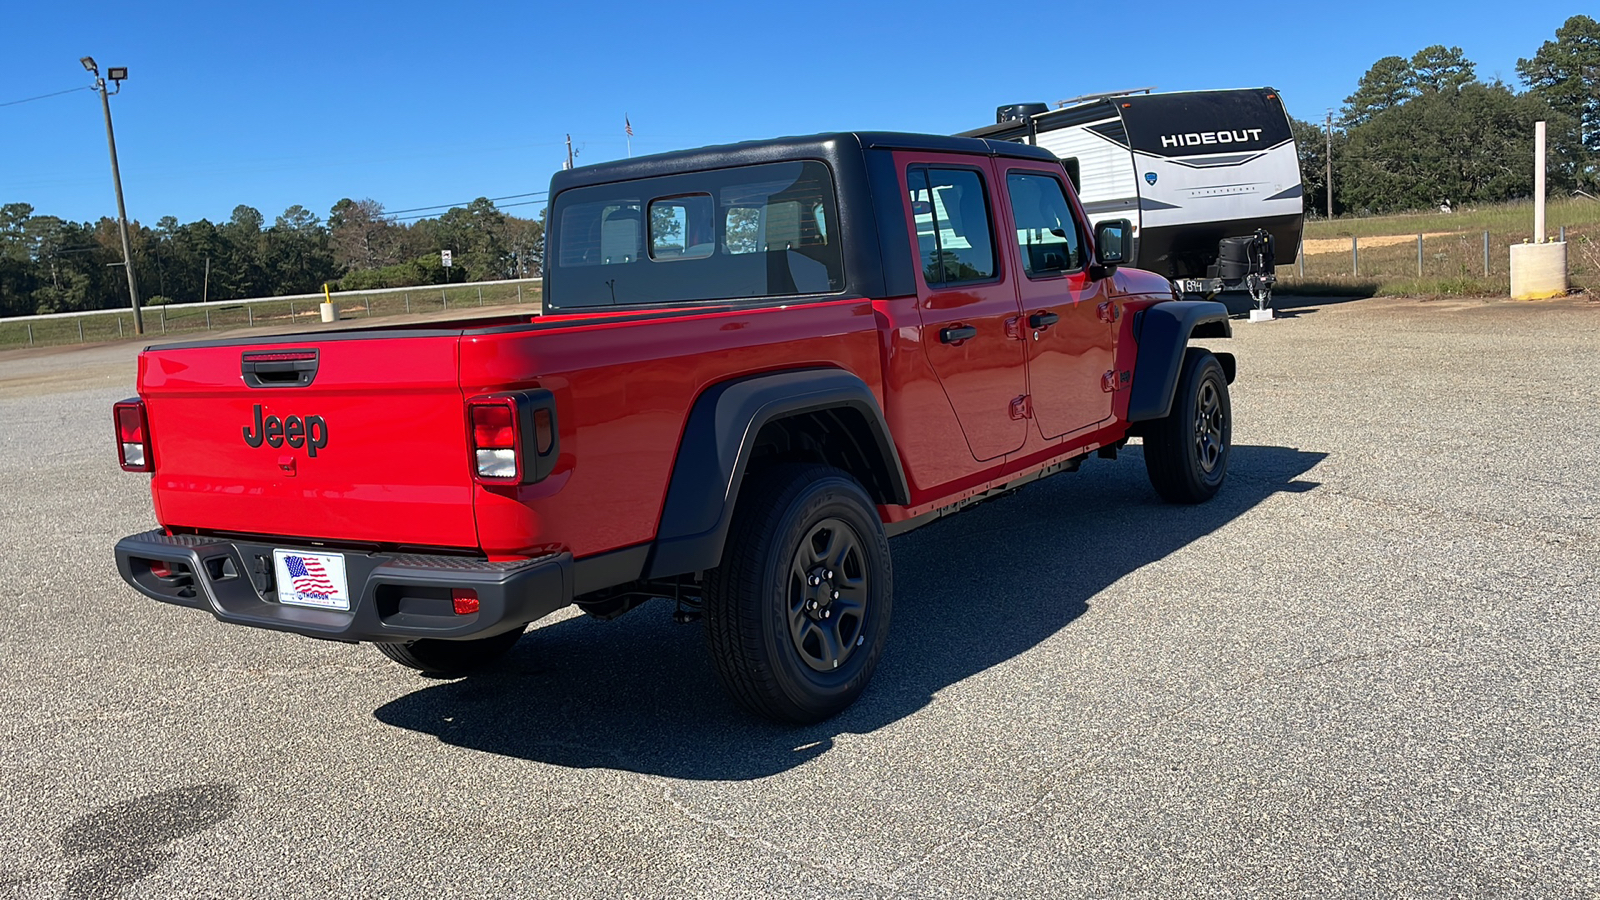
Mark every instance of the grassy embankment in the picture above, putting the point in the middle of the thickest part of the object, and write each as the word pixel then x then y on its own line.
pixel 1452 251
pixel 186 320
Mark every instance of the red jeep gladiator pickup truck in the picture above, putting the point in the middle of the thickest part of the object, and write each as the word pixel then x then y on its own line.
pixel 755 364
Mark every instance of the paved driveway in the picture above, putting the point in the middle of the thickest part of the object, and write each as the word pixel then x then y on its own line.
pixel 1369 667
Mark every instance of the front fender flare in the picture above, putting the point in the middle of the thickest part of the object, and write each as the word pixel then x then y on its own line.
pixel 1163 332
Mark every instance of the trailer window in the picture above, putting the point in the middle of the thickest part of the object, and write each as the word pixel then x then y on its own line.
pixel 747 232
pixel 954 239
pixel 1046 231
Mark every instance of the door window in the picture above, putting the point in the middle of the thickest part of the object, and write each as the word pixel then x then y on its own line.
pixel 1046 231
pixel 954 239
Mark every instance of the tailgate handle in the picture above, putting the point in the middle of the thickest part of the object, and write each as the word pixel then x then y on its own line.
pixel 279 368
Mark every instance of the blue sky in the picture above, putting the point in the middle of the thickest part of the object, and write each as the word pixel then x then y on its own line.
pixel 417 104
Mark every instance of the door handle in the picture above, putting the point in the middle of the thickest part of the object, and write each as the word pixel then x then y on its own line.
pixel 957 334
pixel 1043 319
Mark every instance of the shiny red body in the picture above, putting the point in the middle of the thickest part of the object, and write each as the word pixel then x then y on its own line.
pixel 397 467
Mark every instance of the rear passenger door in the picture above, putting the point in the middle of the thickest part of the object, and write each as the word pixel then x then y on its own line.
pixel 967 301
pixel 1070 319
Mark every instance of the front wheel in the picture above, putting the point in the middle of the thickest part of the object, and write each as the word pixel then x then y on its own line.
pixel 797 614
pixel 1186 453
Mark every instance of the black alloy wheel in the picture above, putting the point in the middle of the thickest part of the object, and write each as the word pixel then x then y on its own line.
pixel 1186 453
pixel 828 595
pixel 797 614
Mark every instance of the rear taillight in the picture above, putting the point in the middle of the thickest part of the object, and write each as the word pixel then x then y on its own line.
pixel 515 438
pixel 133 436
pixel 495 439
pixel 464 601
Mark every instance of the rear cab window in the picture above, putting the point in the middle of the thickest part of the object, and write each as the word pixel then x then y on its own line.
pixel 746 232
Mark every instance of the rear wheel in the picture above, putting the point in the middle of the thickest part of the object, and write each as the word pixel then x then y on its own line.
pixel 436 657
pixel 797 614
pixel 1186 453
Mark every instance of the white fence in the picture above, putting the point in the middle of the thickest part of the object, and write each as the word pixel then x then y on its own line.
pixel 292 310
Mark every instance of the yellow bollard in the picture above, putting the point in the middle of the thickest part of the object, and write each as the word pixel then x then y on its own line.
pixel 329 313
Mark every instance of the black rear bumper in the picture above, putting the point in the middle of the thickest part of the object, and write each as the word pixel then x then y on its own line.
pixel 393 597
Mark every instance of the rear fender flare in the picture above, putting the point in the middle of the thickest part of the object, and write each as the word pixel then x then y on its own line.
pixel 718 440
pixel 1163 332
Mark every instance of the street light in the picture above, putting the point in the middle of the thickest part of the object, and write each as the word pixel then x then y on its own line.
pixel 117 74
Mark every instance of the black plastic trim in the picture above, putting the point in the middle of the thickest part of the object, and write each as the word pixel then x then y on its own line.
pixel 535 465
pixel 716 447
pixel 1163 333
pixel 603 570
pixel 260 372
pixel 222 579
pixel 899 268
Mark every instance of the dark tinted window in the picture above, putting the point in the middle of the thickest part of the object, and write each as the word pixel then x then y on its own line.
pixel 1046 231
pixel 754 231
pixel 954 240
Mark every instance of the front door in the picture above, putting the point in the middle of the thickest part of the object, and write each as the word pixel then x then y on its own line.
pixel 967 300
pixel 1070 320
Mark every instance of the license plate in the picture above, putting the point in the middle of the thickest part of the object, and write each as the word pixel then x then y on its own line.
pixel 311 579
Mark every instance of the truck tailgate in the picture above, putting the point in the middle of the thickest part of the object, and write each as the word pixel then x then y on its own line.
pixel 373 448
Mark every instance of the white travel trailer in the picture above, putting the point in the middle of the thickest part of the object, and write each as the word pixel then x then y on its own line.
pixel 1197 173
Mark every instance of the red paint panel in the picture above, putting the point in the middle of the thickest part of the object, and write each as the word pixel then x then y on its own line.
pixel 1066 359
pixel 932 448
pixel 394 467
pixel 980 375
pixel 623 393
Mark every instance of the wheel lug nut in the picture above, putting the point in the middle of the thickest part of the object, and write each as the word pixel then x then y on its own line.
pixel 828 575
pixel 835 595
pixel 814 581
pixel 812 604
pixel 826 613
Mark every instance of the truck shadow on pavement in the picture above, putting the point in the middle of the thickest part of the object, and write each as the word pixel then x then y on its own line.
pixel 971 592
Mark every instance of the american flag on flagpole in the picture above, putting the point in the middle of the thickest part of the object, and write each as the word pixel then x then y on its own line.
pixel 627 126
pixel 308 576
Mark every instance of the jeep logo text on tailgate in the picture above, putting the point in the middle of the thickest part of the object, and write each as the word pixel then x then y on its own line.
pixel 310 432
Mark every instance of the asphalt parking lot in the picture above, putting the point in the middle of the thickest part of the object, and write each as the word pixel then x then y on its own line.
pixel 1370 667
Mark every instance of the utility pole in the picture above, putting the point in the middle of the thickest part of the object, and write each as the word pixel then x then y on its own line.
pixel 569 151
pixel 117 74
pixel 1330 164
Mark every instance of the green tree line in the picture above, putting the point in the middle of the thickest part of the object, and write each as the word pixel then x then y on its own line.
pixel 49 264
pixel 1421 132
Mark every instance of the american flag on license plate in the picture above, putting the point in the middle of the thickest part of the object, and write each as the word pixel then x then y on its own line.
pixel 307 576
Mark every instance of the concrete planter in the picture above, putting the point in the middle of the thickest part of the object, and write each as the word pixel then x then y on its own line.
pixel 1538 270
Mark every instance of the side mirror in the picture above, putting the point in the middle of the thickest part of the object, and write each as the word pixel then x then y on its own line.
pixel 1113 243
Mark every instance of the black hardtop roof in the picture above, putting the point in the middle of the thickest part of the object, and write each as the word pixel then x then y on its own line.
pixel 833 147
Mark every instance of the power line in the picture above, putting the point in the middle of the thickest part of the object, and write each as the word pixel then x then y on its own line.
pixel 413 209
pixel 46 96
pixel 430 215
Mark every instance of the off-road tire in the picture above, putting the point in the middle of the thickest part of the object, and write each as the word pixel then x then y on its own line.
pixel 1186 453
pixel 447 658
pixel 770 646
